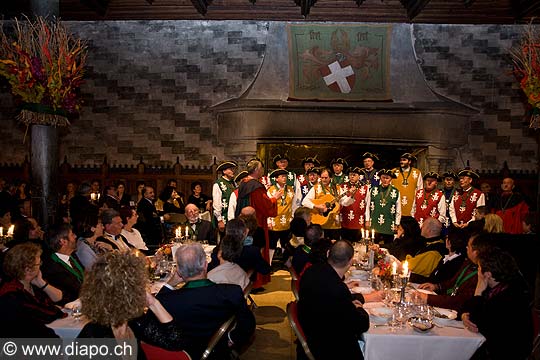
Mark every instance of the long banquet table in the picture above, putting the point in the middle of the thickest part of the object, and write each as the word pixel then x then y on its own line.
pixel 441 343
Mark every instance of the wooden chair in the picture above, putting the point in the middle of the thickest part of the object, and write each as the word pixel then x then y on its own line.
pixel 292 314
pixel 214 340
pixel 156 353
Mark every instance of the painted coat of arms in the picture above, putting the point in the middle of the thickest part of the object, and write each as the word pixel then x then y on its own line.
pixel 346 62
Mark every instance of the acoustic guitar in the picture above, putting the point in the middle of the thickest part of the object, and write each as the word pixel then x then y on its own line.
pixel 331 204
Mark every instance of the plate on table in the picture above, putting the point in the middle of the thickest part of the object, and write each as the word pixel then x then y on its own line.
pixel 380 315
pixel 444 316
pixel 364 290
pixel 420 325
pixel 359 275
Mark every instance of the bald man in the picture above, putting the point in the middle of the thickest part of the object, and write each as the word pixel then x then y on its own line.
pixel 511 207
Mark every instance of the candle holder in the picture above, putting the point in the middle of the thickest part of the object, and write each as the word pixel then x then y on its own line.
pixel 402 282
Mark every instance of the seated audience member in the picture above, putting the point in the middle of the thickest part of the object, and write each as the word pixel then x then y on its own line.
pixel 529 224
pixel 500 309
pixel 408 240
pixel 202 201
pixel 133 236
pixel 251 259
pixel 201 306
pixel 123 198
pixel 199 229
pixel 80 206
pixel 301 255
pixel 5 218
pixel 112 234
pixel 172 202
pixel 115 304
pixel 450 263
pixel 493 224
pixel 135 198
pixel 110 198
pixel 453 293
pixel 332 321
pixel 27 230
pixel 229 250
pixel 88 248
pixel 61 268
pixel 25 296
pixel 431 236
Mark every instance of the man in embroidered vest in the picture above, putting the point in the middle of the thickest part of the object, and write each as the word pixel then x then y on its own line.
pixel 408 180
pixel 282 162
pixel 339 176
pixel 279 226
pixel 313 175
pixel 61 268
pixel 463 206
pixel 303 181
pixel 354 200
pixel 429 201
pixel 252 193
pixel 201 306
pixel 199 229
pixel 233 199
pixel 511 207
pixel 221 192
pixel 323 200
pixel 384 211
pixel 449 190
pixel 369 177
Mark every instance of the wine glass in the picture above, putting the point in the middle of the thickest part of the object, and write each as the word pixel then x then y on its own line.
pixel 76 312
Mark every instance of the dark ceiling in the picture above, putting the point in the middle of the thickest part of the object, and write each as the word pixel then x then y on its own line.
pixel 418 11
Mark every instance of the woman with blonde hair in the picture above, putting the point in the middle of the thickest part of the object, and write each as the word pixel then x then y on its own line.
pixel 114 298
pixel 493 224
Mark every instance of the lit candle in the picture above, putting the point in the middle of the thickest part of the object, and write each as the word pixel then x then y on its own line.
pixel 187 231
pixel 10 230
pixel 178 232
pixel 372 234
pixel 93 196
pixel 1 231
pixel 363 235
pixel 394 268
pixel 405 269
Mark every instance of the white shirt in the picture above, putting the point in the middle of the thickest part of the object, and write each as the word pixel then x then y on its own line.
pixel 134 238
pixel 229 273
pixel 64 258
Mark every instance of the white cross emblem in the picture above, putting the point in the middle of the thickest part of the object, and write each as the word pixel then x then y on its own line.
pixel 290 176
pixel 350 216
pixel 223 186
pixel 362 190
pixel 414 174
pixel 393 209
pixel 474 197
pixel 419 194
pixel 305 189
pixel 433 212
pixel 375 191
pixel 361 220
pixel 372 206
pixel 404 201
pixel 290 194
pixel 339 75
pixel 282 220
pixel 423 207
pixel 301 178
pixel 381 219
pixel 224 203
pixel 376 177
pixel 420 222
pixel 346 178
pixel 435 196
pixel 362 205
pixel 393 194
pixel 272 222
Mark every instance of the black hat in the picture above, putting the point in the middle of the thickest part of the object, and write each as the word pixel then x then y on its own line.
pixel 433 175
pixel 356 170
pixel 313 169
pixel 387 172
pixel 277 172
pixel 312 160
pixel 408 156
pixel 242 174
pixel 469 173
pixel 280 157
pixel 450 174
pixel 339 161
pixel 226 165
pixel 368 155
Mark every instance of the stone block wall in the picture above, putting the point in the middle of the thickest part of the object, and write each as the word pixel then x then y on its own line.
pixel 149 84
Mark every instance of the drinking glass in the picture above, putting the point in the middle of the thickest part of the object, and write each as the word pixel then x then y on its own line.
pixel 76 312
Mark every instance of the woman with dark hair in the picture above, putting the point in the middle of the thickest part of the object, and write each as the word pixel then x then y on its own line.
pixel 24 198
pixel 203 202
pixel 140 185
pixel 123 198
pixel 172 202
pixel 113 298
pixel 501 308
pixel 408 238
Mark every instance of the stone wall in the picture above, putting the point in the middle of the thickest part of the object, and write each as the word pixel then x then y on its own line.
pixel 149 84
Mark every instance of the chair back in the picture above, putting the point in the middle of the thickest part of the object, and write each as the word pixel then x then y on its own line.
pixel 156 353
pixel 292 314
pixel 214 340
pixel 295 288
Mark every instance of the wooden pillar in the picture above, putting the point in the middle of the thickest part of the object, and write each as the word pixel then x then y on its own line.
pixel 44 173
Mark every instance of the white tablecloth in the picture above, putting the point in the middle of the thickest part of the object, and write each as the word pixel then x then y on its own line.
pixel 444 343
pixel 68 327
